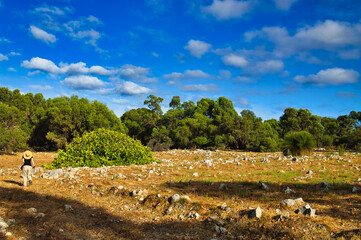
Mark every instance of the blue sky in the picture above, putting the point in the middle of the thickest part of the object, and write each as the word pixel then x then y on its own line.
pixel 264 55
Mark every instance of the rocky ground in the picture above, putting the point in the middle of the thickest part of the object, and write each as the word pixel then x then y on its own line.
pixel 186 195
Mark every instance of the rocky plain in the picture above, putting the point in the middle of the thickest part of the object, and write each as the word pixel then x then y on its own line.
pixel 186 194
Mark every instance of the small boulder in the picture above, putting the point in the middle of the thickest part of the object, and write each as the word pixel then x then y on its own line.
pixel 306 210
pixel 256 213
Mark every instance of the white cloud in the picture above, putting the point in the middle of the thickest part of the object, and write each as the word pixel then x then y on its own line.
pixel 64 68
pixel 269 66
pixel 120 101
pixel 243 102
pixel 4 40
pixel 327 35
pixel 234 60
pixel 42 35
pixel 3 57
pixel 284 4
pixel 83 82
pixel 331 76
pixel 41 64
pixel 41 87
pixel 14 54
pixel 131 88
pixel 91 36
pixel 199 88
pixel 227 9
pixel 197 48
pixel 243 79
pixel 11 69
pixel 51 10
pixel 188 74
pixel 131 72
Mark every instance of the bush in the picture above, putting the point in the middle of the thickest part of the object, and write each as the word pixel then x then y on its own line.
pixel 103 147
pixel 298 143
pixel 13 139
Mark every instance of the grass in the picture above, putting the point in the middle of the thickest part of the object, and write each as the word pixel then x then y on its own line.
pixel 143 221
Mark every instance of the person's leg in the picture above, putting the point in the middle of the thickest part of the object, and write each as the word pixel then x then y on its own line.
pixel 25 178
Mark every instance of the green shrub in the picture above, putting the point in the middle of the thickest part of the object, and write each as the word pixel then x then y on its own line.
pixel 103 147
pixel 298 143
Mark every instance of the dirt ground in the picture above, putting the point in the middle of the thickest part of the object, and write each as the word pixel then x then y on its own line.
pixel 218 191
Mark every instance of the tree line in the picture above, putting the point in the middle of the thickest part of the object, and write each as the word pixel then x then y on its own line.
pixel 28 120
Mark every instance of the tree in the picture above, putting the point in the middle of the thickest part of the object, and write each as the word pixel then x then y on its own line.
pixel 175 103
pixel 153 103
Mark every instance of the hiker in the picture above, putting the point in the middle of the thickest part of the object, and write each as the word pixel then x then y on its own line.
pixel 28 164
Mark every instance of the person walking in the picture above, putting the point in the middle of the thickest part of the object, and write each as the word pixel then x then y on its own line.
pixel 28 165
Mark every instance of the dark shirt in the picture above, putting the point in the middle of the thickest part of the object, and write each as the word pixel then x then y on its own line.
pixel 27 162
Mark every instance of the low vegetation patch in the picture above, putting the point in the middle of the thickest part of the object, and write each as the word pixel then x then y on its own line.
pixel 103 147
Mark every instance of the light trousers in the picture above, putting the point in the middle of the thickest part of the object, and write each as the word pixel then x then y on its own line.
pixel 27 174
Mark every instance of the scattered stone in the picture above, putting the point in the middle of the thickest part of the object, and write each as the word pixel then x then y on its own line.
pixel 11 222
pixel 31 210
pixel 306 210
pixel 40 215
pixel 52 174
pixel 224 206
pixel 181 217
pixel 67 207
pixel 194 215
pixel 256 213
pixel 186 198
pixel 219 230
pixel 195 174
pixel 3 224
pixel 264 186
pixel 208 162
pixel 356 189
pixel 295 159
pixel 175 198
pixel 223 186
pixel 310 172
pixel 289 190
pixel 288 202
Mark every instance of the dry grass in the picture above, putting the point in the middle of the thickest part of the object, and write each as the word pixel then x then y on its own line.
pixel 102 214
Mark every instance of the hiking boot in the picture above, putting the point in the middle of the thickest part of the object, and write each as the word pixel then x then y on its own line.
pixel 30 182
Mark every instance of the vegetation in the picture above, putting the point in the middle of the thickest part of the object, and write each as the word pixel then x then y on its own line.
pixel 298 143
pixel 103 147
pixel 31 121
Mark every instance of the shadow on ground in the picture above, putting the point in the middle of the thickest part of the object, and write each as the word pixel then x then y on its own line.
pixel 338 201
pixel 84 222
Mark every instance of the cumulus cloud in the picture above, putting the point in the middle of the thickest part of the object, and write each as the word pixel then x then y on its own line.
pixel 11 69
pixel 243 102
pixel 41 87
pixel 120 101
pixel 243 79
pixel 48 66
pixel 131 88
pixel 131 72
pixel 234 60
pixel 41 64
pixel 3 57
pixel 327 35
pixel 91 36
pixel 199 88
pixel 227 9
pixel 284 4
pixel 197 48
pixel 52 10
pixel 83 82
pixel 269 66
pixel 42 35
pixel 331 76
pixel 188 74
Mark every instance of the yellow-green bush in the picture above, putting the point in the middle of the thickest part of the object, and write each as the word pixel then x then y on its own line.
pixel 103 147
